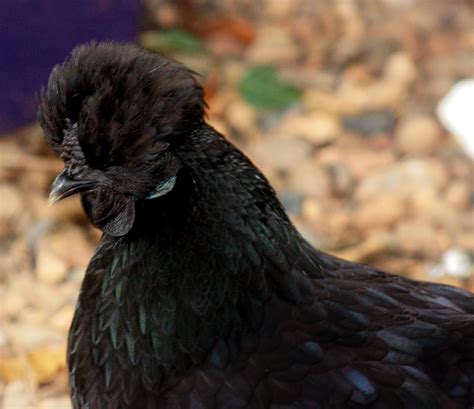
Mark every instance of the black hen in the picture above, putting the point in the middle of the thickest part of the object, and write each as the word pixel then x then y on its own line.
pixel 202 294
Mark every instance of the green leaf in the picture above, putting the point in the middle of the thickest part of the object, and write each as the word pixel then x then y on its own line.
pixel 261 88
pixel 172 41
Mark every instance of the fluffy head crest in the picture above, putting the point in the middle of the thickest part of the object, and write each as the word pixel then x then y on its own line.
pixel 123 100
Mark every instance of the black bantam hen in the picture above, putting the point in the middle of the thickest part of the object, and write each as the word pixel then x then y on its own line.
pixel 202 294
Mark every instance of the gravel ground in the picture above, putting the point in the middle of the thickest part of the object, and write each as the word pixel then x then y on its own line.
pixel 334 100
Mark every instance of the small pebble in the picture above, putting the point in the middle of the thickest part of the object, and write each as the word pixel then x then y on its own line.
pixel 342 181
pixel 370 123
pixel 279 153
pixel 418 135
pixel 458 194
pixel 407 177
pixel 55 403
pixel 273 44
pixel 382 211
pixel 50 268
pixel 11 207
pixel 241 117
pixel 292 202
pixel 457 262
pixel 417 237
pixel 309 180
pixel 319 128
pixel 18 395
pixel 455 112
pixel 47 361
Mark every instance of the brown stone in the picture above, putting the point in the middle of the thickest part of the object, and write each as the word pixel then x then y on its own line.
pixel 381 211
pixel 419 134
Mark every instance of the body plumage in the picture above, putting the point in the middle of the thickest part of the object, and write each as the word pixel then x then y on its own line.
pixel 202 294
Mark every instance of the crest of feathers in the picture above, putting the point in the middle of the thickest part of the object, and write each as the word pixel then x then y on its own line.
pixel 125 117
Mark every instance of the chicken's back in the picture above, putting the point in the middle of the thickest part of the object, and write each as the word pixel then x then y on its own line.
pixel 358 338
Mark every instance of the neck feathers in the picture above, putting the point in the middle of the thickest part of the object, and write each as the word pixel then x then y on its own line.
pixel 204 260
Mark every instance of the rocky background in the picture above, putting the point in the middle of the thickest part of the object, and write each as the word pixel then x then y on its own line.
pixel 334 100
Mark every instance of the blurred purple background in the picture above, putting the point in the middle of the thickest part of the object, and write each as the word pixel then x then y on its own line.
pixel 36 35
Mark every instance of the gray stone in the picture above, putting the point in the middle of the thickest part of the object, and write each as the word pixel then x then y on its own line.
pixel 370 122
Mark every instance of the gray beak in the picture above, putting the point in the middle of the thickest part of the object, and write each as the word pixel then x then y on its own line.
pixel 63 186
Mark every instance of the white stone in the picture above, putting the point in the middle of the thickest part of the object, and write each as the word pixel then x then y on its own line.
pixel 455 113
pixel 456 263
